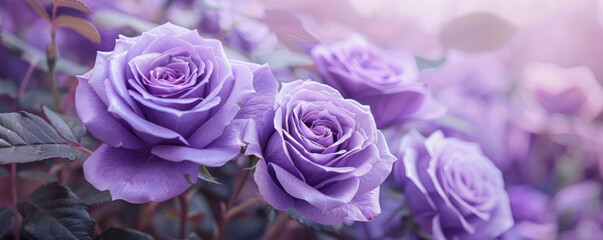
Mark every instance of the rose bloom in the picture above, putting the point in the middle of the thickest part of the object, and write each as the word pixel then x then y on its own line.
pixel 322 155
pixel 452 189
pixel 387 82
pixel 164 103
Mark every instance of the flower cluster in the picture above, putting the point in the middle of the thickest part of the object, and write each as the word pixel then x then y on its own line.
pixel 301 119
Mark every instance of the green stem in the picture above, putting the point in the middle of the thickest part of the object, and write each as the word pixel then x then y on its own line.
pixel 53 85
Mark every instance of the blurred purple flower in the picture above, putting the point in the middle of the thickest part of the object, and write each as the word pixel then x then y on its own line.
pixel 579 212
pixel 164 103
pixel 452 189
pixel 323 156
pixel 248 35
pixel 533 215
pixel 147 10
pixel 571 91
pixel 71 44
pixel 393 222
pixel 387 82
pixel 236 19
pixel 473 87
pixel 21 20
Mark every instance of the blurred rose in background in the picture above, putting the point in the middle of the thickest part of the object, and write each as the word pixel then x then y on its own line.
pixel 521 79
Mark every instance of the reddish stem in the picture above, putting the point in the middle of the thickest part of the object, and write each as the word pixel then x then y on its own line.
pixel 81 148
pixel 27 77
pixel 183 214
pixel 228 206
pixel 51 62
pixel 277 228
pixel 13 180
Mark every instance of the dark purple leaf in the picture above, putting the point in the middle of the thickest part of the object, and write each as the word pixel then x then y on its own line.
pixel 70 128
pixel 53 211
pixel 25 137
pixel 6 218
pixel 123 234
pixel 90 195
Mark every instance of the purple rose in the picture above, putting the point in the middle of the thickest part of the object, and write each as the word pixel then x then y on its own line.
pixel 473 87
pixel 323 156
pixel 452 189
pixel 388 83
pixel 164 103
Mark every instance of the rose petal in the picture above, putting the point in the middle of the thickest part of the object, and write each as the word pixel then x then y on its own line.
pixel 225 148
pixel 235 93
pixel 99 122
pixel 364 207
pixel 137 176
pixel 150 132
pixel 301 190
pixel 271 192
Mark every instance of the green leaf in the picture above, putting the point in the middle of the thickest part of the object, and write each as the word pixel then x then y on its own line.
pixel 39 9
pixel 83 27
pixel 32 174
pixel 6 218
pixel 205 175
pixel 75 4
pixel 8 88
pixel 193 236
pixel 112 19
pixel 426 63
pixel 25 137
pixel 271 213
pixel 70 128
pixel 281 59
pixel 477 32
pixel 235 55
pixel 53 210
pixel 455 123
pixel 34 98
pixel 188 179
pixel 246 227
pixel 297 216
pixel 3 172
pixel 114 233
